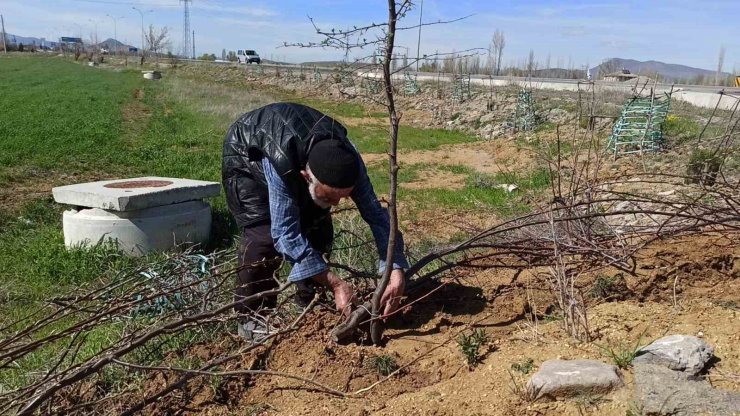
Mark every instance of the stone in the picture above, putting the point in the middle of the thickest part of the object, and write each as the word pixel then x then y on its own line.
pixel 135 194
pixel 662 391
pixel 678 352
pixel 567 378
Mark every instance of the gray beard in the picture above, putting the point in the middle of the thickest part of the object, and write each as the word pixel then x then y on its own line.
pixel 317 201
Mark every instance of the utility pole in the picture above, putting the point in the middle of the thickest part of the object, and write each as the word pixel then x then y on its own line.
pixel 142 30
pixel 418 42
pixel 115 32
pixel 79 30
pixel 193 44
pixel 5 46
pixel 95 22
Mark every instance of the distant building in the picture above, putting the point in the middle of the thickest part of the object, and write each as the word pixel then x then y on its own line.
pixel 621 76
pixel 624 76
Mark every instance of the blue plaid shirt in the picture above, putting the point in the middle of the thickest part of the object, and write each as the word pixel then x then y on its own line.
pixel 293 245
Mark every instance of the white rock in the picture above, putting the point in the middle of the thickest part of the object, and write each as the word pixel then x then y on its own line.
pixel 508 187
pixel 678 352
pixel 661 391
pixel 567 378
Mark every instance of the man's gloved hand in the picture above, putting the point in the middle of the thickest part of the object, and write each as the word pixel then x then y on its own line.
pixel 393 292
pixel 344 296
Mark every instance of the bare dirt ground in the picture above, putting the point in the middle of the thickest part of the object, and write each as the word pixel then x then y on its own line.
pixel 681 286
pixel 485 157
pixel 434 178
pixel 436 381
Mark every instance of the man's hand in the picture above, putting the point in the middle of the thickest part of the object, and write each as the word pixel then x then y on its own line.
pixel 393 292
pixel 344 296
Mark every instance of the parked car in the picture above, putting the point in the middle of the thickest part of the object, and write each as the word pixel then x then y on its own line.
pixel 248 57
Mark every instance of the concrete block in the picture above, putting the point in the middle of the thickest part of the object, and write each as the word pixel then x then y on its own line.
pixel 142 231
pixel 135 193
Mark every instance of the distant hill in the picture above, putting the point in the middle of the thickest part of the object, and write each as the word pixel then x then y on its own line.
pixel 27 40
pixel 667 72
pixel 111 44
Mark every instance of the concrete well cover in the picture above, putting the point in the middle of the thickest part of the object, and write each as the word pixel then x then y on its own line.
pixel 135 193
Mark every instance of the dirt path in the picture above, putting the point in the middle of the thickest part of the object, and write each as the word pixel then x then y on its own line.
pixel 486 157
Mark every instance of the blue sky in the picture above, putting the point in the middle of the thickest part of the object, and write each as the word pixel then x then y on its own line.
pixel 579 32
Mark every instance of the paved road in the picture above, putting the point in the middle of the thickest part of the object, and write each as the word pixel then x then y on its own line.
pixel 698 95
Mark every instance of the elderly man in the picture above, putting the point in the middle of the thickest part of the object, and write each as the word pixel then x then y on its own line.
pixel 284 166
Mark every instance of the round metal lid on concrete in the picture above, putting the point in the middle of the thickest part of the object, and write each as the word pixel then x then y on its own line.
pixel 135 193
pixel 137 184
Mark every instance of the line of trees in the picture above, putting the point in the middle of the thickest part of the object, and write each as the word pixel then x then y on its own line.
pixel 228 56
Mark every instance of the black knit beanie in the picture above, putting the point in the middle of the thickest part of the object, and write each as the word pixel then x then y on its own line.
pixel 334 164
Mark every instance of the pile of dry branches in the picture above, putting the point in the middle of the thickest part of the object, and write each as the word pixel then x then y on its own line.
pixel 183 294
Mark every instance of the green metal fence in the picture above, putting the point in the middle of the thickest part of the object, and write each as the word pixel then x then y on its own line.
pixel 372 85
pixel 525 115
pixel 410 86
pixel 640 125
pixel 461 87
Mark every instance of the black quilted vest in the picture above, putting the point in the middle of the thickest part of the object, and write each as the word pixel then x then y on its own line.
pixel 284 133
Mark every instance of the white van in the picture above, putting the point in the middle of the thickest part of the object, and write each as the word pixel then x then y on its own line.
pixel 247 56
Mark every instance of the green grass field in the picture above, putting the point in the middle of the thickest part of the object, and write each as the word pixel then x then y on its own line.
pixel 60 119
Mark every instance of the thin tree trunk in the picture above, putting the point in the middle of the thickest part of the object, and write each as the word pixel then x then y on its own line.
pixel 376 327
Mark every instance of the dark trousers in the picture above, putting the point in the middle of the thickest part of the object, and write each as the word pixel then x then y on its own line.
pixel 258 262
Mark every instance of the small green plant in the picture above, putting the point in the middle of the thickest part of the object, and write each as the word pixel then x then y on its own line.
pixel 609 287
pixel 680 128
pixel 524 367
pixel 552 317
pixel 544 127
pixel 587 401
pixel 728 304
pixel 703 167
pixel 634 409
pixel 483 181
pixel 256 409
pixel 622 355
pixel 384 364
pixel 470 345
pixel 214 383
pixel 525 392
